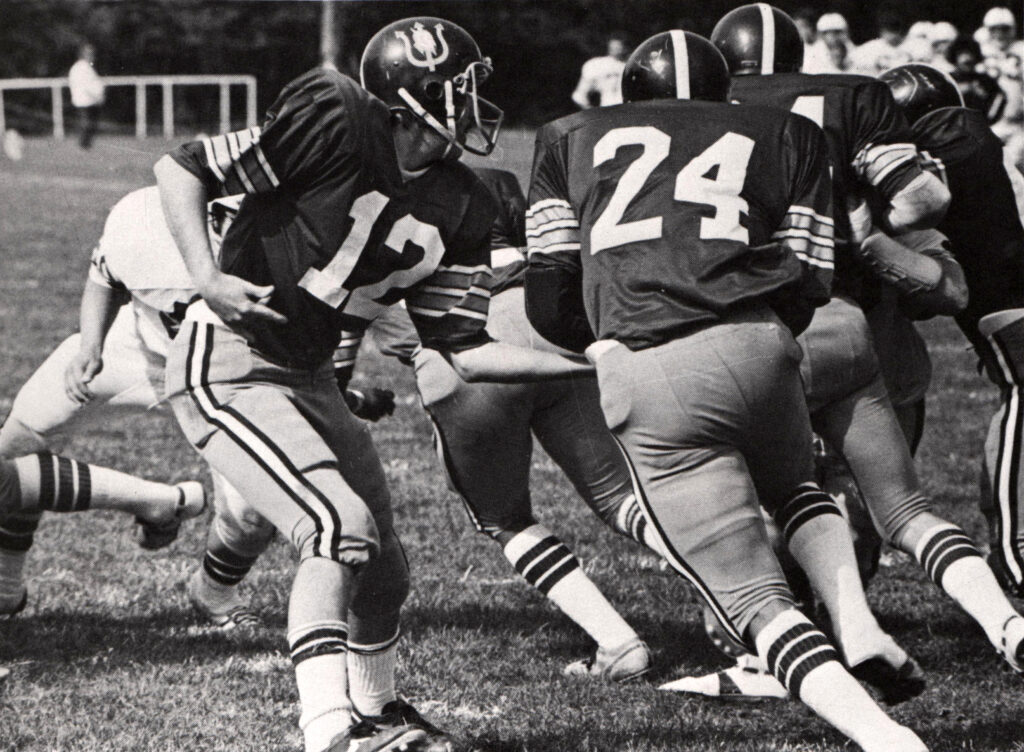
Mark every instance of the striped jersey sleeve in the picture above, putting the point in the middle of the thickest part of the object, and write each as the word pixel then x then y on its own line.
pixel 295 142
pixel 552 226
pixel 807 228
pixel 449 308
pixel 883 148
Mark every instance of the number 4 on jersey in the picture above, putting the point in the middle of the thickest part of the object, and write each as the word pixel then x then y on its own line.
pixel 694 184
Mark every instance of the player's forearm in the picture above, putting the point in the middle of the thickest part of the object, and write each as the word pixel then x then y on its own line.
pixel 183 197
pixel 98 310
pixel 921 204
pixel 510 364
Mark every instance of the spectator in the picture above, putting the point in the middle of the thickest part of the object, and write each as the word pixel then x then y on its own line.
pixel 805 19
pixel 885 52
pixel 979 90
pixel 86 93
pixel 941 36
pixel 918 44
pixel 1002 60
pixel 831 53
pixel 601 77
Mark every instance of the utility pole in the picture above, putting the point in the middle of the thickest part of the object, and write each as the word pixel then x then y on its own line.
pixel 328 35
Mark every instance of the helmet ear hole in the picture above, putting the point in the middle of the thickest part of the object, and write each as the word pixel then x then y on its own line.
pixel 433 90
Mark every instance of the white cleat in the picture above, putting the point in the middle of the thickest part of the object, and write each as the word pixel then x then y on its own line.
pixel 747 681
pixel 1011 644
pixel 629 661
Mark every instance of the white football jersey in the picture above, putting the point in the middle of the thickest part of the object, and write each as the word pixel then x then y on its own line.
pixel 137 254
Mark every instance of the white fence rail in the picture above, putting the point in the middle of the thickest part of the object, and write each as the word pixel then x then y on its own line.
pixel 166 83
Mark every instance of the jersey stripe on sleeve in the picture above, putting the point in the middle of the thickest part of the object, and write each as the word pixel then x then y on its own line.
pixel 238 162
pixel 455 290
pixel 552 227
pixel 874 163
pixel 809 235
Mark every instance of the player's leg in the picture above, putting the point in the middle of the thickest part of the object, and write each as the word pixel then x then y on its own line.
pixel 864 429
pixel 237 535
pixel 482 434
pixel 1002 353
pixel 249 420
pixel 675 409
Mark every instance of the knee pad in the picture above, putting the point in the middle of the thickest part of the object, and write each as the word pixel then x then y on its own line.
pixel 383 581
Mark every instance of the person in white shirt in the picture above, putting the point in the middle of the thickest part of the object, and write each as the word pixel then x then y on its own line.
pixel 833 50
pixel 601 77
pixel 942 35
pixel 1003 61
pixel 879 55
pixel 86 93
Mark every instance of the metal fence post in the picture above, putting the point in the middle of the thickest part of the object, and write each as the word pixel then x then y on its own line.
pixel 57 97
pixel 140 111
pixel 250 103
pixel 168 108
pixel 225 107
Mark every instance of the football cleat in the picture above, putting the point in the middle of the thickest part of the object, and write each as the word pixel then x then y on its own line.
pixel 622 664
pixel 13 607
pixel 747 681
pixel 1011 643
pixel 366 737
pixel 400 714
pixel 238 615
pixel 895 684
pixel 155 534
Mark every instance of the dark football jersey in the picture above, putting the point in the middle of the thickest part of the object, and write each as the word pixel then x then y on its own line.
pixel 677 212
pixel 328 221
pixel 981 223
pixel 868 137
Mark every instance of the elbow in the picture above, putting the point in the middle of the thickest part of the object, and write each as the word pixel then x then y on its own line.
pixel 920 205
pixel 466 366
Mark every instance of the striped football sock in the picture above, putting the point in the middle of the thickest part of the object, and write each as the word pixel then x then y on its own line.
pixel 955 565
pixel 371 675
pixel 547 564
pixel 802 658
pixel 318 650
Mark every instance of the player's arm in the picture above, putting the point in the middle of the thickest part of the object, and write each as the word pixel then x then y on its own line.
pixel 101 301
pixel 449 310
pixel 807 229
pixel 554 275
pixel 886 158
pixel 922 268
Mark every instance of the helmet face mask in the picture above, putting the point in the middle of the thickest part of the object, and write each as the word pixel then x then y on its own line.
pixel 432 69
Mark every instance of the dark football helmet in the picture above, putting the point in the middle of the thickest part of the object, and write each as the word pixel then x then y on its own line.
pixel 918 89
pixel 759 39
pixel 675 65
pixel 433 68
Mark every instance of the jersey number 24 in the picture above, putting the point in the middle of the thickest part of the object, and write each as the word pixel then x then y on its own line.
pixel 730 154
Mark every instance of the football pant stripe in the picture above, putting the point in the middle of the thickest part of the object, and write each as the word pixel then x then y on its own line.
pixel 673 557
pixel 1006 474
pixel 257 445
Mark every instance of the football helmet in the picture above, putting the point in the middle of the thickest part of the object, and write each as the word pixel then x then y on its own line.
pixel 759 39
pixel 675 65
pixel 433 68
pixel 919 88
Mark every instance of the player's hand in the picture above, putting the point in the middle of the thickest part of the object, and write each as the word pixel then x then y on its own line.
pixel 238 303
pixel 79 372
pixel 371 404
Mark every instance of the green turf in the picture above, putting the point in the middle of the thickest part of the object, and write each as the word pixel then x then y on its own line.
pixel 108 655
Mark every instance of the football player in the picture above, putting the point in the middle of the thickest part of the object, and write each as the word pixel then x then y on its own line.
pixel 326 238
pixel 637 240
pixel 842 378
pixel 987 239
pixel 114 367
pixel 483 434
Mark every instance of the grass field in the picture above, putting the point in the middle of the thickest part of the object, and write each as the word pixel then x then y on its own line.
pixel 108 655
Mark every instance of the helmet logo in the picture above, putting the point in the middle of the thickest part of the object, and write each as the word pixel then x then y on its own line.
pixel 423 42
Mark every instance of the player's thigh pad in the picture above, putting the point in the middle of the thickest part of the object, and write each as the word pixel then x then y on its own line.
pixel 569 424
pixel 251 421
pixel 839 356
pixel 482 436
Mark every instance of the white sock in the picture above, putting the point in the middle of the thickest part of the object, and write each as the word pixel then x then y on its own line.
pixel 955 564
pixel 371 675
pixel 216 596
pixel 806 663
pixel 547 564
pixel 321 673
